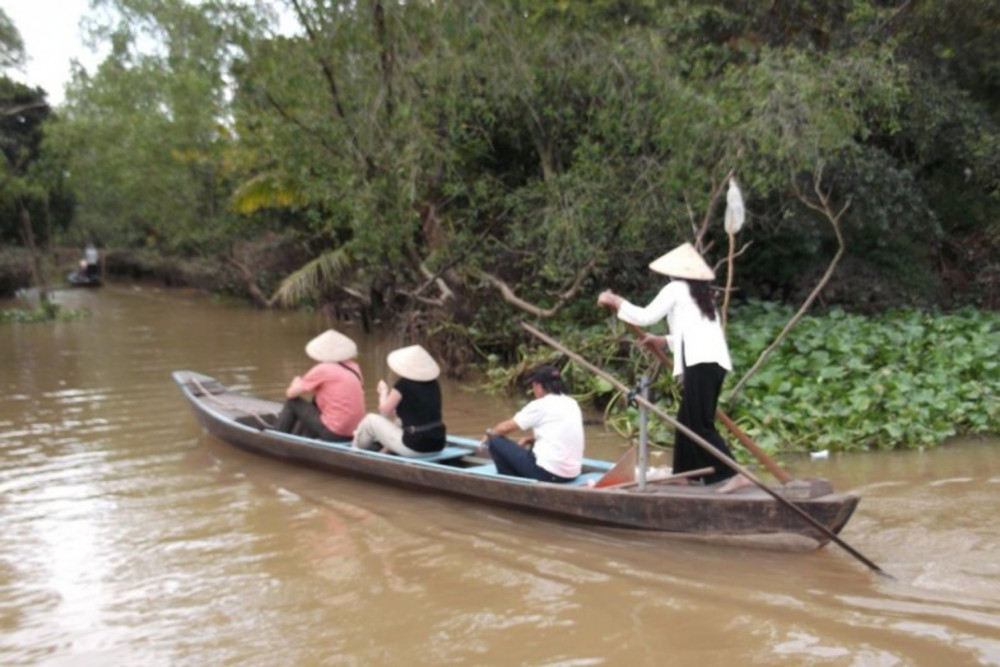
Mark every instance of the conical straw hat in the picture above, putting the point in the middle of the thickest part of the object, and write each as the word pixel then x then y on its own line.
pixel 683 262
pixel 413 363
pixel 331 346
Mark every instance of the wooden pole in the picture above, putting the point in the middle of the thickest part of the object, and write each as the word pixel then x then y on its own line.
pixel 704 444
pixel 663 480
pixel 643 433
pixel 730 425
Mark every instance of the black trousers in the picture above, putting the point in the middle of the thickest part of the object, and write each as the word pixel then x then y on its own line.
pixel 512 459
pixel 305 413
pixel 699 399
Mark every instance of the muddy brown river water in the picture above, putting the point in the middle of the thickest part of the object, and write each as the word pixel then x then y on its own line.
pixel 130 537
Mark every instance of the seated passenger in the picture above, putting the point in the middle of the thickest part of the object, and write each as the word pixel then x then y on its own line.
pixel 554 452
pixel 337 388
pixel 409 421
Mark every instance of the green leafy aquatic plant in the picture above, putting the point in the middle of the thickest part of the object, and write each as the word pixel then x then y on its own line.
pixel 906 379
pixel 839 382
pixel 47 312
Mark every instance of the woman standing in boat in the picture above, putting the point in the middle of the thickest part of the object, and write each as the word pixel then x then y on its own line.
pixel 91 258
pixel 336 385
pixel 554 452
pixel 701 355
pixel 408 422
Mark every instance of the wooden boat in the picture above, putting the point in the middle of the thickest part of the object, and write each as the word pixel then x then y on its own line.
pixel 693 511
pixel 81 279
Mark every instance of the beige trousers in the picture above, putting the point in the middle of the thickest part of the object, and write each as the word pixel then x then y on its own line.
pixel 376 430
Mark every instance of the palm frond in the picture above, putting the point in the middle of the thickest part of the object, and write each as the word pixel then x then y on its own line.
pixel 267 190
pixel 312 278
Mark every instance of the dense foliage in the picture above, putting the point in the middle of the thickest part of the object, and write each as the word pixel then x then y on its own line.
pixel 849 382
pixel 32 197
pixel 533 142
pixel 450 165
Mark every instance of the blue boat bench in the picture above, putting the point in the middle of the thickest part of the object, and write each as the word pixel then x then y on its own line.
pixel 445 454
pixel 451 452
pixel 490 469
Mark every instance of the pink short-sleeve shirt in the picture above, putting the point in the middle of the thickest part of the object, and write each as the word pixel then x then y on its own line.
pixel 339 393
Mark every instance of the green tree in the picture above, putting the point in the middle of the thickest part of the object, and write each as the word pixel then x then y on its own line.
pixel 525 147
pixel 25 197
pixel 146 135
pixel 11 44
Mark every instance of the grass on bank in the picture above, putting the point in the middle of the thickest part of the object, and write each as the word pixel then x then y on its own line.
pixel 44 311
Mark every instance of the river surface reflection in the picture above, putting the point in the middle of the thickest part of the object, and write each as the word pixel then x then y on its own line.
pixel 130 537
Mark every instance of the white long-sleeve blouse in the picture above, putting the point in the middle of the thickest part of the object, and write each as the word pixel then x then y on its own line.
pixel 693 338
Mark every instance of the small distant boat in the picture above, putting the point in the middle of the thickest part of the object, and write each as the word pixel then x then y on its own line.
pixel 81 279
pixel 689 510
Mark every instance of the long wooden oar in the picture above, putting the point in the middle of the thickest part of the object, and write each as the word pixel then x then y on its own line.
pixel 704 444
pixel 730 425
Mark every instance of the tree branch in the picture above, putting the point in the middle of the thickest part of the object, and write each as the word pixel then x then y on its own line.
pixel 716 193
pixel 331 84
pixel 250 280
pixel 733 254
pixel 823 206
pixel 432 279
pixel 284 113
pixel 738 253
pixel 10 111
pixel 537 311
pixel 386 59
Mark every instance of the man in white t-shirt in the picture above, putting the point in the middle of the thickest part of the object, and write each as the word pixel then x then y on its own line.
pixel 554 452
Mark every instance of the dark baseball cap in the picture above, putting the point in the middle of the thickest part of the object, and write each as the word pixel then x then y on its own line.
pixel 544 373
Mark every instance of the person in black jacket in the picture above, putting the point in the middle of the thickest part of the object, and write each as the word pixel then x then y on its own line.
pixel 409 421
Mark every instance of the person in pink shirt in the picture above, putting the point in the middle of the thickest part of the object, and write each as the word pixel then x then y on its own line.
pixel 337 389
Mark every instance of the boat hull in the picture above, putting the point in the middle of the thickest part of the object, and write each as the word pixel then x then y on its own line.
pixel 694 511
pixel 80 279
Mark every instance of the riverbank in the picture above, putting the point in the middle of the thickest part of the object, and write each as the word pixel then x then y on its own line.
pixel 902 379
pixel 219 274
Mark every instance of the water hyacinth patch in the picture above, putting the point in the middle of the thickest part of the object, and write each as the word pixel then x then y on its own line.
pixel 845 382
pixel 47 313
pixel 838 382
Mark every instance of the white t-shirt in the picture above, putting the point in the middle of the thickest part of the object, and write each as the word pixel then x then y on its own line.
pixel 693 338
pixel 557 424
